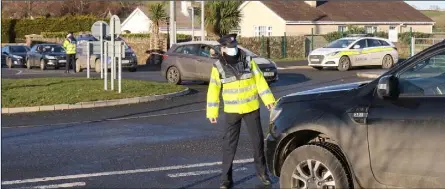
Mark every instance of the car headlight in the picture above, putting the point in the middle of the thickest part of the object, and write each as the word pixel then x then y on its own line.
pixel 334 53
pixel 17 57
pixel 50 57
pixel 274 113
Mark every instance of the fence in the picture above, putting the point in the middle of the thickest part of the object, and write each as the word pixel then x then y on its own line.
pixel 420 44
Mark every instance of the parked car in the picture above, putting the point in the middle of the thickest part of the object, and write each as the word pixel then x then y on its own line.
pixel 386 133
pixel 129 62
pixel 14 55
pixel 349 52
pixel 193 61
pixel 46 55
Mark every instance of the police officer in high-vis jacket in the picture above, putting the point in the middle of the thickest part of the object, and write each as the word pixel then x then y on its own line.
pixel 241 83
pixel 70 46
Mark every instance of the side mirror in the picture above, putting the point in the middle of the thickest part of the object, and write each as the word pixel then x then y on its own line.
pixel 356 47
pixel 388 87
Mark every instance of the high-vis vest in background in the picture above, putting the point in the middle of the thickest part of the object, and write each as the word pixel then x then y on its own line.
pixel 69 47
pixel 239 92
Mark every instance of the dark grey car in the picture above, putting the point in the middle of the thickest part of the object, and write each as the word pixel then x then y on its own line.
pixel 14 55
pixel 46 55
pixel 191 61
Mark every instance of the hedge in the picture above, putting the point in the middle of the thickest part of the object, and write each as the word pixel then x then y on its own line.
pixel 22 27
pixel 403 37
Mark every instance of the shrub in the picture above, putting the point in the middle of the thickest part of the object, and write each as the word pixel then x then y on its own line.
pixel 406 36
pixel 143 35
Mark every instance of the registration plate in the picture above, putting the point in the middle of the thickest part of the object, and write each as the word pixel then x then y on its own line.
pixel 269 74
pixel 62 61
pixel 125 61
pixel 315 60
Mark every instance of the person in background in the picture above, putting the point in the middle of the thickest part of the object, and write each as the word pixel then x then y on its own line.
pixel 241 82
pixel 70 45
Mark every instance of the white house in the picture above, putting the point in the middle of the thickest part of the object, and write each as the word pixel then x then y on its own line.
pixel 139 21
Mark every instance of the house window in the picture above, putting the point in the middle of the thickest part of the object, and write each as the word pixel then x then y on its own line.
pixel 263 31
pixel 342 28
pixel 392 27
pixel 371 29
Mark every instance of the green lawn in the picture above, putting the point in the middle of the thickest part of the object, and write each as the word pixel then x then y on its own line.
pixel 48 91
pixel 287 59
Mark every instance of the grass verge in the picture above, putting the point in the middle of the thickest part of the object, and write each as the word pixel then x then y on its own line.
pixel 48 91
pixel 287 59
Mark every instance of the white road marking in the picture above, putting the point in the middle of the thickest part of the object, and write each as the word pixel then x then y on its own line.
pixel 18 73
pixel 195 173
pixel 176 167
pixel 65 185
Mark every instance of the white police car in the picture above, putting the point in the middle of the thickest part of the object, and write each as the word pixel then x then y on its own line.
pixel 348 52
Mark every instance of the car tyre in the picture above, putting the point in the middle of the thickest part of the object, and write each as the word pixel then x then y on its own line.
pixel 344 64
pixel 42 64
pixel 312 166
pixel 387 61
pixel 28 64
pixel 9 62
pixel 173 75
pixel 78 66
pixel 97 65
pixel 317 67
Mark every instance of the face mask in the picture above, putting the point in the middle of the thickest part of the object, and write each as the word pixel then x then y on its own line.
pixel 232 51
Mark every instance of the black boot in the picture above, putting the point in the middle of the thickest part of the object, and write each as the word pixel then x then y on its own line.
pixel 265 179
pixel 226 185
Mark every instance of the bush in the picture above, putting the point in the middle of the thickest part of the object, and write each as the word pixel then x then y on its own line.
pixel 406 36
pixel 144 35
pixel 24 27
pixel 7 35
pixel 332 36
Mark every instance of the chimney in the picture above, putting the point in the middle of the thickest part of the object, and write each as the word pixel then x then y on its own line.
pixel 315 3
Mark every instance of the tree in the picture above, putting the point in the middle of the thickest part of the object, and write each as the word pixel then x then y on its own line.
pixel 221 17
pixel 158 15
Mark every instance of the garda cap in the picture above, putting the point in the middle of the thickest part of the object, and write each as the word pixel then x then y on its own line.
pixel 228 41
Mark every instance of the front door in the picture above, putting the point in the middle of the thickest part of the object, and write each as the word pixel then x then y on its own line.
pixel 205 62
pixel 407 136
pixel 359 59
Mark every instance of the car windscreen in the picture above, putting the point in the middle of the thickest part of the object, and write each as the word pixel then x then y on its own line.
pixel 52 49
pixel 248 52
pixel 340 43
pixel 18 49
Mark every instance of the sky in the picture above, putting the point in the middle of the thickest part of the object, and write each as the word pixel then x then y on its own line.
pixel 426 4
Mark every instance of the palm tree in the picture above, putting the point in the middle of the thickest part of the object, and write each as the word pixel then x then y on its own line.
pixel 158 15
pixel 221 17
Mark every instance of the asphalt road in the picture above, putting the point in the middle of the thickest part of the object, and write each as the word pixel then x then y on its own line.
pixel 161 144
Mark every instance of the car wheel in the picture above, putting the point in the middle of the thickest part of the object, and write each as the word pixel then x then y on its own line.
pixel 317 68
pixel 9 63
pixel 42 65
pixel 132 69
pixel 344 64
pixel 28 64
pixel 312 166
pixel 78 66
pixel 97 65
pixel 173 75
pixel 387 62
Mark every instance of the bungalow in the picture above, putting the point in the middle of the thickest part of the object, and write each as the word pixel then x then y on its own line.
pixel 277 18
pixel 139 21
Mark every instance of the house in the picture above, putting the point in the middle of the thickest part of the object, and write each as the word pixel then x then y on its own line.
pixel 277 18
pixel 139 21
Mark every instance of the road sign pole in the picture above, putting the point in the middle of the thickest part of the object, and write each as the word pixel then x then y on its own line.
pixel 105 65
pixel 101 50
pixel 120 68
pixel 113 54
pixel 88 59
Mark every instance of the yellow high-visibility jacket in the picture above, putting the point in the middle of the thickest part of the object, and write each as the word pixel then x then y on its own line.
pixel 69 47
pixel 239 95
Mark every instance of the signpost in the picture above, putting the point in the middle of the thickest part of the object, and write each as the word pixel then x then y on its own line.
pixel 99 30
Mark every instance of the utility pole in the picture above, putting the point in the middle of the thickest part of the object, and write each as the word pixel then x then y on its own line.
pixel 172 23
pixel 202 21
pixel 193 23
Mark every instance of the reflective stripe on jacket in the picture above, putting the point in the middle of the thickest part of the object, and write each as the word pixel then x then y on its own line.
pixel 69 47
pixel 240 95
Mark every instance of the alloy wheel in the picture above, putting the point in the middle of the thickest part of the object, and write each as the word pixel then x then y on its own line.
pixel 173 75
pixel 312 174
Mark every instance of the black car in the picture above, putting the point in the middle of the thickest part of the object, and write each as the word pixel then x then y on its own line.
pixel 46 55
pixel 14 55
pixel 389 132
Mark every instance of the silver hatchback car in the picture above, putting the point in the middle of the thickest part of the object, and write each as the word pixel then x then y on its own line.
pixel 192 61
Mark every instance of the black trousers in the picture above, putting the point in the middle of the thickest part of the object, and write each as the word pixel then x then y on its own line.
pixel 231 137
pixel 70 60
